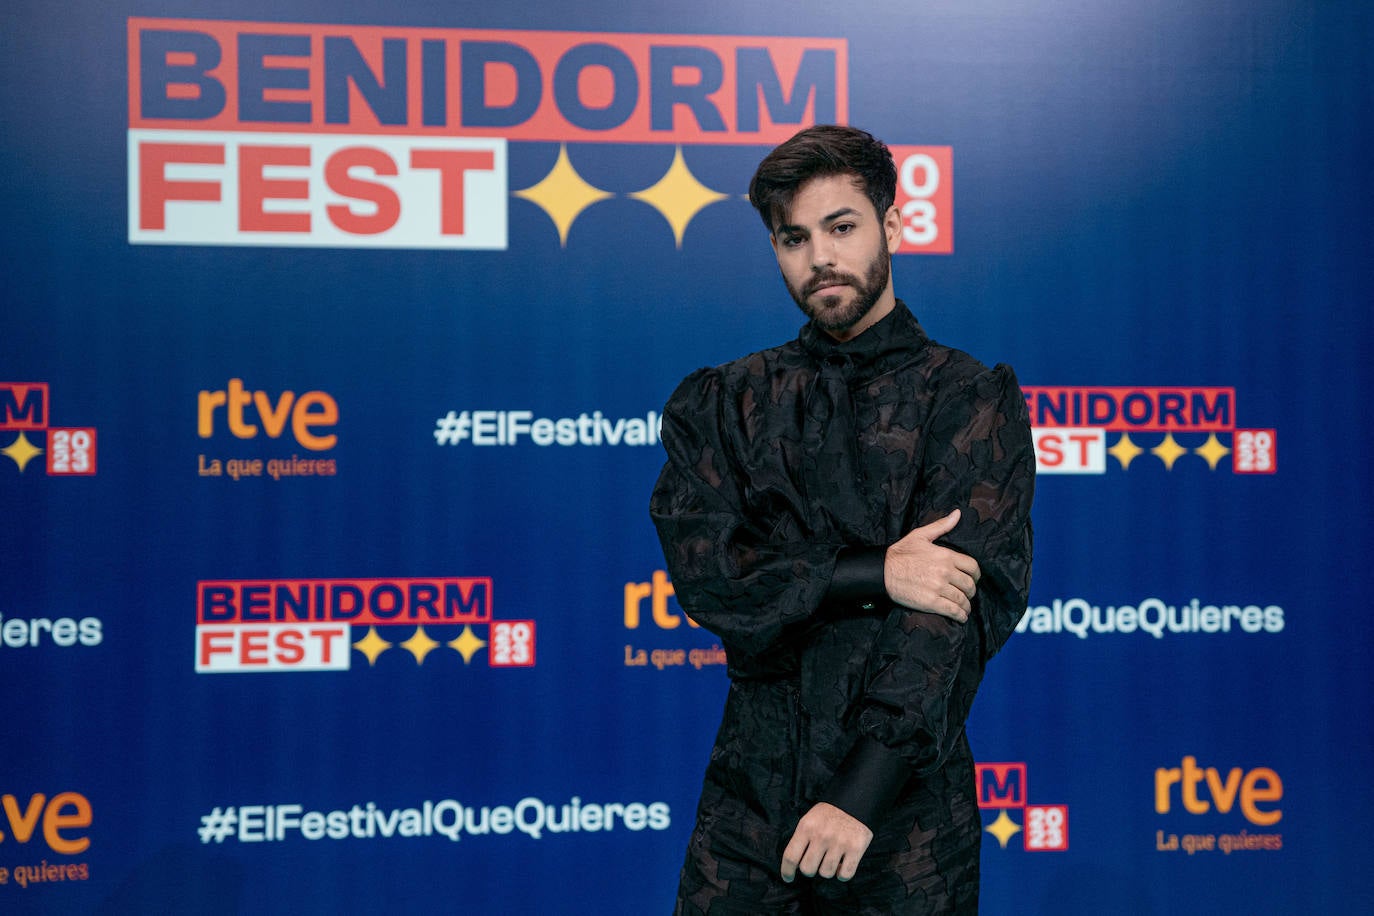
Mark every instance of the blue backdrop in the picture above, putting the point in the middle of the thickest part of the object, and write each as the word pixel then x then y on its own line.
pixel 333 347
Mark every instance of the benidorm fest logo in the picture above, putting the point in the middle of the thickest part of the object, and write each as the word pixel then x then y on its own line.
pixel 307 134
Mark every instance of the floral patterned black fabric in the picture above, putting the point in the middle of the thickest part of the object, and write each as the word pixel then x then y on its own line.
pixel 783 467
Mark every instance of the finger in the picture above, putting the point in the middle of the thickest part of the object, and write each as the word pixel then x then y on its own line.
pixel 966 585
pixel 954 610
pixel 830 865
pixel 943 607
pixel 848 868
pixel 956 596
pixel 967 564
pixel 811 862
pixel 940 527
pixel 790 857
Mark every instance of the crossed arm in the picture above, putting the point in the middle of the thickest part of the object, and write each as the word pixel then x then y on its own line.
pixel 923 576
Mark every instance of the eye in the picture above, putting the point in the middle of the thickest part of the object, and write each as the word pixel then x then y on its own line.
pixel 792 241
pixel 843 228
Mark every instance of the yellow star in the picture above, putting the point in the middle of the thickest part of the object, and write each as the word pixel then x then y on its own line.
pixel 1212 450
pixel 1125 451
pixel 22 451
pixel 372 645
pixel 420 645
pixel 678 196
pixel 1004 828
pixel 466 644
pixel 563 194
pixel 1168 451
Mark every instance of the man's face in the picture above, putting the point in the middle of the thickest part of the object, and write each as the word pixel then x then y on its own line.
pixel 835 255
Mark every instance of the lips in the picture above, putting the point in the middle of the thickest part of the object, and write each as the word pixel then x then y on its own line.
pixel 821 283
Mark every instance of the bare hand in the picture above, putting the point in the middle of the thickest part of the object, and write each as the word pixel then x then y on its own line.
pixel 922 575
pixel 828 843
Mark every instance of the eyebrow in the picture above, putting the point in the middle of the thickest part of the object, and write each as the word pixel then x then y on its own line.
pixel 825 220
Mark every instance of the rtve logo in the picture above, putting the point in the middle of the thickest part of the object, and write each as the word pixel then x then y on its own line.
pixel 246 412
pixel 66 811
pixel 658 590
pixel 1200 789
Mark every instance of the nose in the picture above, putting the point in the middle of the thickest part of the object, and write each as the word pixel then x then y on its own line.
pixel 822 252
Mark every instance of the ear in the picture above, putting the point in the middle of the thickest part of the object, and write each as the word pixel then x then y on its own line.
pixel 892 228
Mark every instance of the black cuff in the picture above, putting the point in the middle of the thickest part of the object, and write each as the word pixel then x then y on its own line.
pixel 867 781
pixel 858 582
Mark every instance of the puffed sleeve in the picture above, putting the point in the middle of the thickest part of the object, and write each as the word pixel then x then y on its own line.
pixel 742 562
pixel 926 668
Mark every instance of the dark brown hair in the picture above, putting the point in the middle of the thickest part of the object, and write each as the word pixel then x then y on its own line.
pixel 825 149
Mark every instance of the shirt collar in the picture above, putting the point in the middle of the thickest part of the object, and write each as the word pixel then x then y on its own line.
pixel 888 344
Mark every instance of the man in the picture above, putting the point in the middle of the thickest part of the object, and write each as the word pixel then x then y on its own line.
pixel 850 513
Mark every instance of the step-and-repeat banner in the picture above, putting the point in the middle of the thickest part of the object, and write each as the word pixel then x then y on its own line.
pixel 335 339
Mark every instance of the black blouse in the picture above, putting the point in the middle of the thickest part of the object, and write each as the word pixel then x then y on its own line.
pixel 789 473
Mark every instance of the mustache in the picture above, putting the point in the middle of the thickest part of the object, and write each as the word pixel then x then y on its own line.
pixel 828 279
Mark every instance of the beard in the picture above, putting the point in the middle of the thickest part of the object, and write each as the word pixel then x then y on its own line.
pixel 831 313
